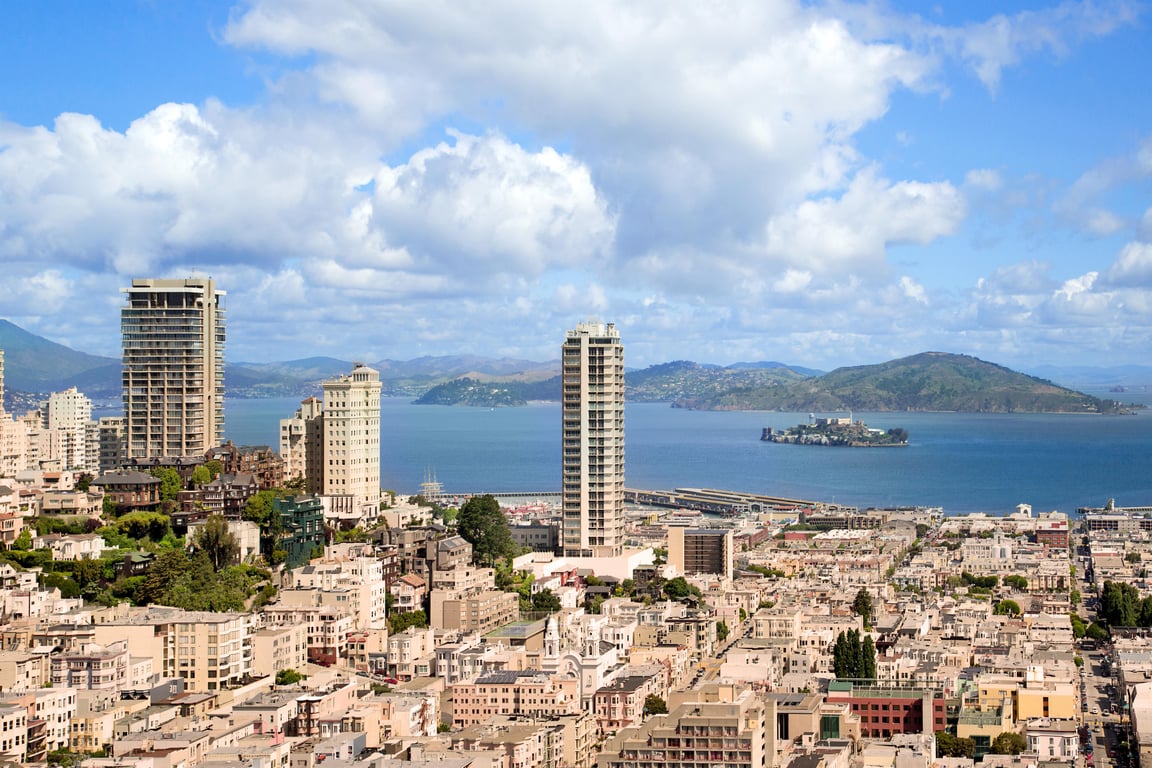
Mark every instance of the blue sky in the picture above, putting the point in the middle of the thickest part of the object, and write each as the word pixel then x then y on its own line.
pixel 823 183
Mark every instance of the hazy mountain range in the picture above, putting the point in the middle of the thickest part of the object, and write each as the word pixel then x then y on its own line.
pixel 35 366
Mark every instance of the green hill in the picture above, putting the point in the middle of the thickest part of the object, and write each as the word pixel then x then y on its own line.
pixel 930 381
pixel 663 383
pixel 35 364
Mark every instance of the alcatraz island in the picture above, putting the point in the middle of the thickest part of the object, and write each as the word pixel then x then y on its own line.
pixel 839 431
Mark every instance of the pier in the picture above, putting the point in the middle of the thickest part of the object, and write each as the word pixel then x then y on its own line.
pixel 710 500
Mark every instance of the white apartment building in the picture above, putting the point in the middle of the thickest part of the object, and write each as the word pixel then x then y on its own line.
pixel 94 668
pixel 173 338
pixel 56 707
pixel 13 733
pixel 302 444
pixel 277 648
pixel 66 415
pixel 210 651
pixel 359 579
pixel 352 437
pixel 592 358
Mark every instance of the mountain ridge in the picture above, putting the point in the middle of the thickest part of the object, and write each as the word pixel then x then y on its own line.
pixel 36 366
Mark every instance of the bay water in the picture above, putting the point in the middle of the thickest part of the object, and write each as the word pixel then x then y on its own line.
pixel 961 462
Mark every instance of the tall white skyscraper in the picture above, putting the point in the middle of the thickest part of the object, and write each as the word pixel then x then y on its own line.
pixel 592 358
pixel 351 435
pixel 173 337
pixel 67 416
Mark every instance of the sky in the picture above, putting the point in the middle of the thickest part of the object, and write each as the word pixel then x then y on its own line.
pixel 821 183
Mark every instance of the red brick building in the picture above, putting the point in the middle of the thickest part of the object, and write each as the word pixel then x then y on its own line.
pixel 885 711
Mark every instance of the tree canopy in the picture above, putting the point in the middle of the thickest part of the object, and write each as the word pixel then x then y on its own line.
pixel 170 483
pixel 950 746
pixel 853 658
pixel 1007 608
pixel 862 605
pixel 217 541
pixel 545 601
pixel 288 676
pixel 398 622
pixel 678 588
pixel 654 705
pixel 722 630
pixel 482 524
pixel 1008 743
pixel 190 582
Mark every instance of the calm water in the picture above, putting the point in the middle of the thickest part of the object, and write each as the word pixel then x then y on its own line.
pixel 962 462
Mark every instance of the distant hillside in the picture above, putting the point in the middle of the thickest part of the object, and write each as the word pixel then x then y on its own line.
pixel 1090 377
pixel 930 381
pixel 683 379
pixel 661 383
pixel 35 364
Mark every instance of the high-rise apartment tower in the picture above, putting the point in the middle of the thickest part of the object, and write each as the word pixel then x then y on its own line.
pixel 593 441
pixel 173 337
pixel 351 435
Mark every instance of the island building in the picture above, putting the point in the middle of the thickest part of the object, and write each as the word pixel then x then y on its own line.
pixel 592 359
pixel 173 367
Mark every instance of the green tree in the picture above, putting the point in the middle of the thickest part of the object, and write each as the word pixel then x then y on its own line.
pixel 288 676
pixel 23 542
pixel 1016 581
pixel 1096 632
pixel 170 483
pixel 545 601
pixel 1008 743
pixel 1119 604
pixel 1074 597
pixel 215 468
pixel 258 507
pixel 65 758
pixel 945 744
pixel 109 507
pixel 85 572
pixel 144 525
pixel 398 622
pixel 214 539
pixel 868 651
pixel 722 630
pixel 1132 557
pixel 1007 608
pixel 654 705
pixel 966 747
pixel 84 482
pixel 68 588
pixel 679 588
pixel 854 658
pixel 201 475
pixel 482 524
pixel 862 606
pixel 298 485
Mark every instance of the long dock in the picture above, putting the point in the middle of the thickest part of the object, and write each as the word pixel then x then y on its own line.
pixel 711 500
